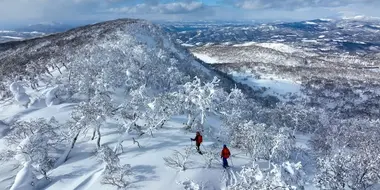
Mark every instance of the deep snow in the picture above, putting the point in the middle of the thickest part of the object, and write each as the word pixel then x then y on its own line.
pixel 83 169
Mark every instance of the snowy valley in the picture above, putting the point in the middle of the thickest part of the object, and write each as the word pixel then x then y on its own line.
pixel 114 105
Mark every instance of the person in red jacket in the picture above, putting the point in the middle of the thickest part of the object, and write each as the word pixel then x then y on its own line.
pixel 225 154
pixel 198 140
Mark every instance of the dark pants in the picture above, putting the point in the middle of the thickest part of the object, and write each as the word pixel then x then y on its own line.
pixel 198 144
pixel 225 163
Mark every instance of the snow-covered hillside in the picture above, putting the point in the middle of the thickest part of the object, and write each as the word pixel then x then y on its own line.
pixel 119 38
pixel 116 105
pixel 83 169
pixel 342 90
pixel 339 35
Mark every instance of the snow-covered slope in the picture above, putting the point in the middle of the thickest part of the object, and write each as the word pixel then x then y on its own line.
pixel 120 36
pixel 127 101
pixel 265 53
pixel 128 55
pixel 83 169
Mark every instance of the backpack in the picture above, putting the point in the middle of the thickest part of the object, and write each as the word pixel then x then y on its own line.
pixel 199 139
pixel 225 153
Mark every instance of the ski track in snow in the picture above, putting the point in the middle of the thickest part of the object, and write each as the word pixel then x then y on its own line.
pixel 228 178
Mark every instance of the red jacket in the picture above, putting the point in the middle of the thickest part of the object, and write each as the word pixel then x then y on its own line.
pixel 225 153
pixel 198 139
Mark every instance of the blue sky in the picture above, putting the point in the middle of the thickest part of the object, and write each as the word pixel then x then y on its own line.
pixel 35 11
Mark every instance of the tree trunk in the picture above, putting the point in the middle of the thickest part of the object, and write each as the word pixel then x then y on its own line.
pixel 134 142
pixel 99 136
pixel 72 145
pixel 70 77
pixel 59 70
pixel 88 95
pixel 65 65
pixel 48 72
pixel 162 123
pixel 93 134
pixel 189 119
pixel 151 132
pixel 203 115
pixel 74 140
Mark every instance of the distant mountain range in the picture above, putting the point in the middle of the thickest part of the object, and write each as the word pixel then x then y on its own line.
pixel 355 35
pixel 45 27
pixel 32 31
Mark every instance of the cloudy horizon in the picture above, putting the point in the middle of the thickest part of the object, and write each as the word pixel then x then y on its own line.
pixel 17 12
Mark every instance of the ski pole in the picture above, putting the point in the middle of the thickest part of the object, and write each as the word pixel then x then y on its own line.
pixel 232 163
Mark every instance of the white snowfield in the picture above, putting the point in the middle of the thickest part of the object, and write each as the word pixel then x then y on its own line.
pixel 269 53
pixel 207 59
pixel 273 85
pixel 82 171
pixel 276 46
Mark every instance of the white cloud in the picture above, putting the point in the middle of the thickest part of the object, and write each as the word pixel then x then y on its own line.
pixel 165 8
pixel 294 4
pixel 30 10
pixel 33 11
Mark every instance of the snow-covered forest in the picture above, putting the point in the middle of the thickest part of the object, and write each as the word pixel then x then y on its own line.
pixel 114 105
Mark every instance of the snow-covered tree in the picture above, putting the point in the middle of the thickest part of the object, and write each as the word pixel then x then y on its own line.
pixel 349 170
pixel 35 142
pixel 114 173
pixel 288 176
pixel 84 117
pixel 103 102
pixel 19 94
pixel 159 110
pixel 210 156
pixel 4 90
pixel 178 160
pixel 232 111
pixel 252 138
pixel 282 145
pixel 348 151
pixel 92 114
pixel 235 106
pixel 57 95
pixel 197 99
pixel 133 109
pixel 261 141
pixel 129 113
